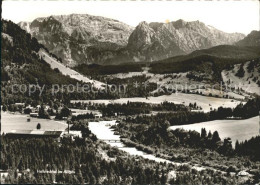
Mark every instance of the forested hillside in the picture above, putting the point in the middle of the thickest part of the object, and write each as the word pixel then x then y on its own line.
pixel 210 60
pixel 21 63
pixel 22 66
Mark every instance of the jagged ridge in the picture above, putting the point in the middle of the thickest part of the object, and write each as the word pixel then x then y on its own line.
pixel 82 38
pixel 79 38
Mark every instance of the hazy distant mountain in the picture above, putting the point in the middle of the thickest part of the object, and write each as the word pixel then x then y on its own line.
pixel 252 39
pixel 79 38
pixel 88 39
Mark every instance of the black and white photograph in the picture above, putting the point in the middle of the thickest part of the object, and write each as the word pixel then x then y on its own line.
pixel 130 92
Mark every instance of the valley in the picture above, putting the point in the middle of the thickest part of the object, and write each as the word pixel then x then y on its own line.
pixel 169 103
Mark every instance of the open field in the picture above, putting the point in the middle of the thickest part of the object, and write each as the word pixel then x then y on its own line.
pixel 180 98
pixel 240 130
pixel 16 121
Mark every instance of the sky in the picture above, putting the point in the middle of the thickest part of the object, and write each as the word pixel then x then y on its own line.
pixel 230 16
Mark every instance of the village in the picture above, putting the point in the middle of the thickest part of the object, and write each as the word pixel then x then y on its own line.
pixel 42 121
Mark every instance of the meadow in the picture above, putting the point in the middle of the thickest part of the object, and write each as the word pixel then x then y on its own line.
pixel 240 130
pixel 17 121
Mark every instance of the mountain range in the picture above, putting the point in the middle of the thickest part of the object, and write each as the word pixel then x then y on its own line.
pixel 79 38
pixel 86 39
pixel 158 41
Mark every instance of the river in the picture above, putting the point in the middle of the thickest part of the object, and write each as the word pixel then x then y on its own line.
pixel 104 132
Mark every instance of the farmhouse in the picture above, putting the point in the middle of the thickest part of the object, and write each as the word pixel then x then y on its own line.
pixel 34 134
pixel 19 104
pixel 34 114
pixel 243 173
pixel 73 134
pixel 3 173
pixel 76 112
pixel 98 115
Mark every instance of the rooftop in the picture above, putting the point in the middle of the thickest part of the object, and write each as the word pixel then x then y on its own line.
pixel 35 132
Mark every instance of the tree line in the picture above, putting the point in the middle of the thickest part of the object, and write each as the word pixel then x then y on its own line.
pixel 248 110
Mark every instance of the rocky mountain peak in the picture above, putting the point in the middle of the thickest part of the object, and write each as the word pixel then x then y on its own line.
pixel 182 36
pixel 155 25
pixel 141 37
pixel 78 38
pixel 179 23
pixel 25 26
pixel 142 24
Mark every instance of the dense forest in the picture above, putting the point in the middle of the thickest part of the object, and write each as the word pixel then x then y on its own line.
pixel 133 108
pixel 249 148
pixel 96 70
pixel 78 161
